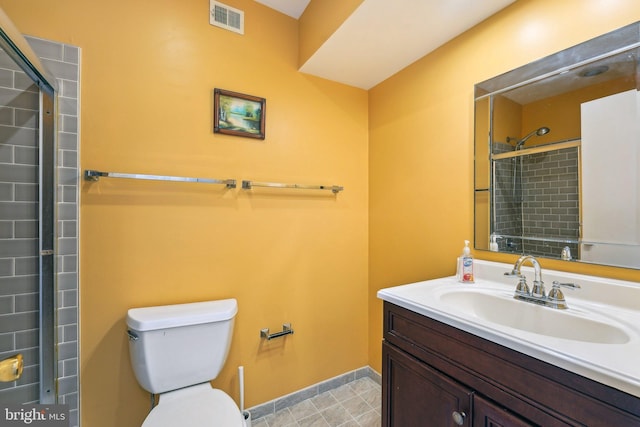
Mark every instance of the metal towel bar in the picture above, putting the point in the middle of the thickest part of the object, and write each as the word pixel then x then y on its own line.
pixel 247 185
pixel 93 175
pixel 286 330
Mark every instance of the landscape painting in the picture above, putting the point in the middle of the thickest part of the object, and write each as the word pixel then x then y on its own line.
pixel 239 114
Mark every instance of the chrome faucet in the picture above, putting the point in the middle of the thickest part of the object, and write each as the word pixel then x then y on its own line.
pixel 538 285
pixel 537 294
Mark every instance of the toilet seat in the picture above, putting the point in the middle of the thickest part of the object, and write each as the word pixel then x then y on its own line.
pixel 195 406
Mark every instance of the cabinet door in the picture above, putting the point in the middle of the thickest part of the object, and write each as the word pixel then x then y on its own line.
pixel 415 395
pixel 487 414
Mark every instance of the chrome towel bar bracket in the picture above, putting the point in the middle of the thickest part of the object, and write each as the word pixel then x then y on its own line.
pixel 286 330
pixel 247 185
pixel 93 175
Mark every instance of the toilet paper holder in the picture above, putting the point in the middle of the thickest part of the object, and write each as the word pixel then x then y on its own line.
pixel 286 330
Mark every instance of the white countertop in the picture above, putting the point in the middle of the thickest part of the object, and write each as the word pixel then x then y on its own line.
pixel 601 300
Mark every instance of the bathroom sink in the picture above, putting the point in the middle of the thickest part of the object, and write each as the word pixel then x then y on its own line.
pixel 501 308
pixel 597 337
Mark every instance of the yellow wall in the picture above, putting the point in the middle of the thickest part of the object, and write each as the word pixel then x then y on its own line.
pixel 421 134
pixel 148 71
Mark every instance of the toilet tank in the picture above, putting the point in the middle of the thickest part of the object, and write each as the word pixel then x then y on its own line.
pixel 175 346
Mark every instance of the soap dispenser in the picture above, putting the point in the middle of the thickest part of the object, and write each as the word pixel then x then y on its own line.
pixel 465 265
pixel 493 244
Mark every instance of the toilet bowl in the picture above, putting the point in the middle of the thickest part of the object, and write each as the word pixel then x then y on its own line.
pixel 199 405
pixel 175 350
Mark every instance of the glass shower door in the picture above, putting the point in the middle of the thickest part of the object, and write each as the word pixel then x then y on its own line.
pixel 26 236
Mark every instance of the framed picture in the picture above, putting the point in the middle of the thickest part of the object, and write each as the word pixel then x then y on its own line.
pixel 238 114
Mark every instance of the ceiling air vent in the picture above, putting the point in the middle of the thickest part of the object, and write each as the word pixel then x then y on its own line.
pixel 226 17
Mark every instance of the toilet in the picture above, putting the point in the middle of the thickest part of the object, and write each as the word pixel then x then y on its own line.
pixel 175 351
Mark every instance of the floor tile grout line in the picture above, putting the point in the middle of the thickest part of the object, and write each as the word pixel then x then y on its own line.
pixel 358 375
pixel 352 386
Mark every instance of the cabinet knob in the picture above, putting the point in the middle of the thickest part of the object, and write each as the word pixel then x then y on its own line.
pixel 458 417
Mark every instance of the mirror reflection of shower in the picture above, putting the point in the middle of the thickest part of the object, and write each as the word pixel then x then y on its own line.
pixel 517 166
pixel 517 162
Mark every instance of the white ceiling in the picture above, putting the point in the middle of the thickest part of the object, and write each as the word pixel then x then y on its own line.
pixel 293 8
pixel 381 37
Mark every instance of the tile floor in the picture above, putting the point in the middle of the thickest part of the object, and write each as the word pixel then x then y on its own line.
pixel 355 404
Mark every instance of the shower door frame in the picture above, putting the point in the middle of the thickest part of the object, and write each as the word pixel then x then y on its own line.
pixel 48 363
pixel 14 44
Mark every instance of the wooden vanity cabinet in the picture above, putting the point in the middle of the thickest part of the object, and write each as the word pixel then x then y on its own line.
pixel 488 414
pixel 437 375
pixel 419 394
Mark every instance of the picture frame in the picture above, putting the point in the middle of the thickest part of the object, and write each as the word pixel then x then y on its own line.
pixel 238 114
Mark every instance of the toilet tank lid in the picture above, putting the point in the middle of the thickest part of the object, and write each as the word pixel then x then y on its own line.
pixel 173 316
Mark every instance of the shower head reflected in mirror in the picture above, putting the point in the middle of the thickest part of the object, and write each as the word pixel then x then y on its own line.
pixel 538 132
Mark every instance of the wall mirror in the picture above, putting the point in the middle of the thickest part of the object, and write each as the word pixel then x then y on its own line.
pixel 557 155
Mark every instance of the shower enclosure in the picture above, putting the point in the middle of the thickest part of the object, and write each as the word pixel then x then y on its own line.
pixel 536 199
pixel 27 223
pixel 39 181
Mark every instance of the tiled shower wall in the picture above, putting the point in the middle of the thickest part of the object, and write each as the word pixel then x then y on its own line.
pixel 18 218
pixel 506 207
pixel 549 191
pixel 19 106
